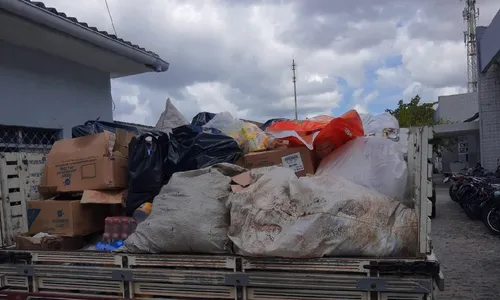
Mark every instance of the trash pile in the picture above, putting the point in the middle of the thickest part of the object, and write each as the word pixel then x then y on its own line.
pixel 319 187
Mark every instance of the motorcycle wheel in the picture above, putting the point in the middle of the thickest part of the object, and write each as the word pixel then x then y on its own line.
pixel 471 209
pixel 463 193
pixel 451 191
pixel 455 191
pixel 490 215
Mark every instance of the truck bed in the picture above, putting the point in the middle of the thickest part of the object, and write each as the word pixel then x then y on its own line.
pixel 90 275
pixel 97 275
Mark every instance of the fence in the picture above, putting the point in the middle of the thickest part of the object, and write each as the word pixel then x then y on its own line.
pixel 22 158
pixel 27 139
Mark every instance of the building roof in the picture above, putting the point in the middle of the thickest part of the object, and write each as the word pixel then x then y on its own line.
pixel 76 21
pixel 141 126
pixel 35 26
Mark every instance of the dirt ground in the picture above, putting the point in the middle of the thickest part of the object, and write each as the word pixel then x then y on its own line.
pixel 468 253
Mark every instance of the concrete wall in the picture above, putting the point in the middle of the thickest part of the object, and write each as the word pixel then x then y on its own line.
pixel 457 108
pixel 489 42
pixel 452 155
pixel 40 90
pixel 489 105
pixel 489 115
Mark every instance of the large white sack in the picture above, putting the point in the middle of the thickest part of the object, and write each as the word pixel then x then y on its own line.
pixel 371 161
pixel 385 125
pixel 285 216
pixel 189 214
pixel 374 125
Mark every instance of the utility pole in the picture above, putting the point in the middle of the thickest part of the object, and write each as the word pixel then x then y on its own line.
pixel 295 89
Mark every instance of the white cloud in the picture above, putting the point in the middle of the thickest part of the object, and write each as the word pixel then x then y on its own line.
pixel 360 100
pixel 236 55
pixel 211 96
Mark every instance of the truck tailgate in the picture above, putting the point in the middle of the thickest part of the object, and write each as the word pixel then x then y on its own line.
pixel 88 275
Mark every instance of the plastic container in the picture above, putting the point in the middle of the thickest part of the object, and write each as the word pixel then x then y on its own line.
pixel 142 212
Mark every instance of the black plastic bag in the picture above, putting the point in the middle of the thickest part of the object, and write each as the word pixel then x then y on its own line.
pixel 94 127
pixel 202 118
pixel 187 148
pixel 146 169
pixel 190 149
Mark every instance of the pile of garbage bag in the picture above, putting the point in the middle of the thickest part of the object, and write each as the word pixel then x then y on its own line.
pixel 278 214
pixel 323 186
pixel 351 204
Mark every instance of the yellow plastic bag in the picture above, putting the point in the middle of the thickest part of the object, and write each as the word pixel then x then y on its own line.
pixel 249 136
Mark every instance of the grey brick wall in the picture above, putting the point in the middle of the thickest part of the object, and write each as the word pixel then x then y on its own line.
pixel 489 114
pixel 488 84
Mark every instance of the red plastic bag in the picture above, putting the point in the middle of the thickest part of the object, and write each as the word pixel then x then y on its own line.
pixel 323 134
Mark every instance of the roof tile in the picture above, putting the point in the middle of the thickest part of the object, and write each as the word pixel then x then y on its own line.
pixel 75 20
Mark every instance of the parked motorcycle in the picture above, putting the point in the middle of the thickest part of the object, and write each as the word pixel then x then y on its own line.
pixel 490 214
pixel 478 193
pixel 481 191
pixel 458 187
pixel 467 187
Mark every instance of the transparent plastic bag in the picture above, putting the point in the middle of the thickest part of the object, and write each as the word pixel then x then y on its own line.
pixel 249 136
pixel 370 161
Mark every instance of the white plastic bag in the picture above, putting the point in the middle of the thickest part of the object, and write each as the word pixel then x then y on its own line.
pixel 285 216
pixel 371 161
pixel 375 125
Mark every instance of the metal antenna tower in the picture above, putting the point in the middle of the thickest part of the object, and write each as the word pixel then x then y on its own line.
pixel 295 89
pixel 470 15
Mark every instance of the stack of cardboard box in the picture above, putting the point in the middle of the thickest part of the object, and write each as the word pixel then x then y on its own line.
pixel 84 181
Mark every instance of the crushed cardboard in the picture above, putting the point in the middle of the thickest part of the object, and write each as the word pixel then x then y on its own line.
pixel 300 159
pixel 51 243
pixel 103 197
pixel 241 181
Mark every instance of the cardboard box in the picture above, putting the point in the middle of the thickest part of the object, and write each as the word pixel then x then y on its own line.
pixel 123 139
pixel 94 162
pixel 51 243
pixel 65 217
pixel 103 197
pixel 300 159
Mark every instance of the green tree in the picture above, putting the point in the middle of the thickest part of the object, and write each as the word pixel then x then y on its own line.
pixel 415 113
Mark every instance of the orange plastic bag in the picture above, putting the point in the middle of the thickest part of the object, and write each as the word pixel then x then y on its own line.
pixel 323 134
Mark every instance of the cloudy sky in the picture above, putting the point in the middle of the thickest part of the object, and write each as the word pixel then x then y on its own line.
pixel 236 55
